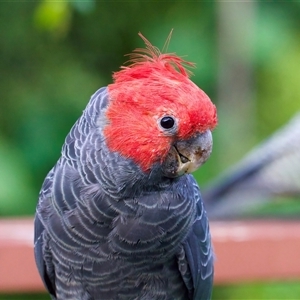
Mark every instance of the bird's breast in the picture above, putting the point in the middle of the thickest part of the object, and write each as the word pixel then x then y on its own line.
pixel 160 221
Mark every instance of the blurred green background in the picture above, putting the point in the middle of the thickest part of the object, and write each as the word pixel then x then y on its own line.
pixel 55 54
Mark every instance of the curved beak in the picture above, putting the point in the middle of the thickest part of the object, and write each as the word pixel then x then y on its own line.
pixel 186 156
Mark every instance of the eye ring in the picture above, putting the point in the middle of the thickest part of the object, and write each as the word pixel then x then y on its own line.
pixel 167 122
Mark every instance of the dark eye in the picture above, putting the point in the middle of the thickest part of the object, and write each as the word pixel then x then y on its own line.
pixel 167 122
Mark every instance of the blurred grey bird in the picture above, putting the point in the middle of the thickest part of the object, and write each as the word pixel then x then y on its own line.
pixel 269 171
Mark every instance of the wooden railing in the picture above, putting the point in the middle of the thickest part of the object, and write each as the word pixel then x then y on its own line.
pixel 245 251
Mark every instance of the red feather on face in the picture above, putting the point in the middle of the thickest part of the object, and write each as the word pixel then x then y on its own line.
pixel 154 85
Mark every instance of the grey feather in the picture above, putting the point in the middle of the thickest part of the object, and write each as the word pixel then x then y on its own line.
pixel 270 170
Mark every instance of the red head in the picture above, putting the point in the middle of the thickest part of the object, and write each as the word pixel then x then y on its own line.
pixel 155 85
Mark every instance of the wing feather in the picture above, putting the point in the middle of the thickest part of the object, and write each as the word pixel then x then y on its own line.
pixel 199 253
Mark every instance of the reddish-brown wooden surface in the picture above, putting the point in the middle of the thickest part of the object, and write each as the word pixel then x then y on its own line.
pixel 245 251
pixel 256 250
pixel 17 268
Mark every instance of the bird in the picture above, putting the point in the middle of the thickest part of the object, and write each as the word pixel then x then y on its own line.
pixel 268 172
pixel 120 216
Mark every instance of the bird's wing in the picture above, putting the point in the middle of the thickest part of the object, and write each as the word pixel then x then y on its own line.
pixel 199 253
pixel 271 169
pixel 55 199
pixel 46 272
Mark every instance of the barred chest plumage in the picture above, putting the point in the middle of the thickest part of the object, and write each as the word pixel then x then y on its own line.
pixel 121 248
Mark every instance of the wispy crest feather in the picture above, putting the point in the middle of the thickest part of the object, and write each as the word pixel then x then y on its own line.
pixel 153 55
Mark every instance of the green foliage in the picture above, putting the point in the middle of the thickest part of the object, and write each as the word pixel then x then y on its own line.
pixel 16 189
pixel 278 207
pixel 278 72
pixel 286 290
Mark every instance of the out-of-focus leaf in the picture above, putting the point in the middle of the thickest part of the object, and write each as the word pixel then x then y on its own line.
pixel 53 16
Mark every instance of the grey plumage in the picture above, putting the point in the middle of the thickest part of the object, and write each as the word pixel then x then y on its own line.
pixel 270 170
pixel 104 229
